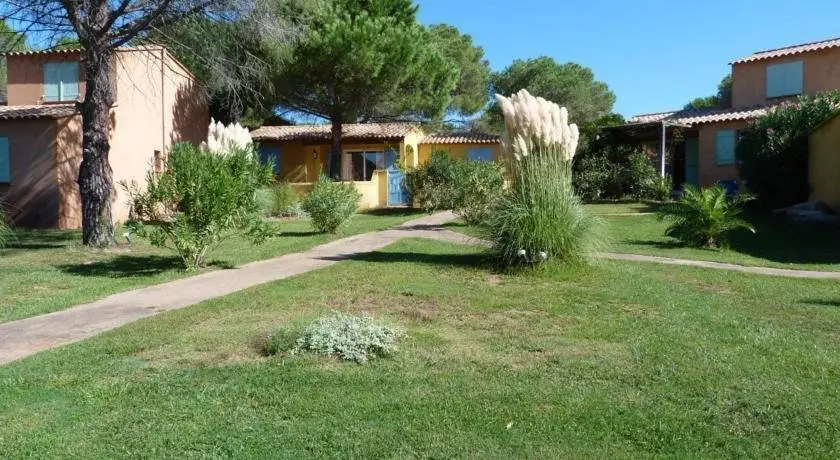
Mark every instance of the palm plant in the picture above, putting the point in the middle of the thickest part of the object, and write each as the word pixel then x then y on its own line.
pixel 703 217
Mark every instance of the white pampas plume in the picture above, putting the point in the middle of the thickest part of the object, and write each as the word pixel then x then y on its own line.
pixel 222 139
pixel 533 124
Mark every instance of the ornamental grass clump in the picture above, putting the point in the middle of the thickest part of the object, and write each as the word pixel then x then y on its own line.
pixel 539 219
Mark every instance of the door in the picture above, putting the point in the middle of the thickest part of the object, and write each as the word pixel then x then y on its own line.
pixel 692 161
pixel 480 154
pixel 398 194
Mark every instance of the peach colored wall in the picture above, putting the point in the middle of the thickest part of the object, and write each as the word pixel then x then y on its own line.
pixel 709 172
pixel 68 157
pixel 32 197
pixel 821 72
pixel 25 77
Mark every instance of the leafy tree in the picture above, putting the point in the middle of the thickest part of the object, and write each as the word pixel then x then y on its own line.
pixel 470 95
pixel 9 41
pixel 569 85
pixel 365 59
pixel 103 26
pixel 722 99
pixel 67 43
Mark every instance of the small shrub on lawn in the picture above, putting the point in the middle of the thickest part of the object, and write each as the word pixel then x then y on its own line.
pixel 281 200
pixel 353 338
pixel 201 198
pixel 662 188
pixel 279 341
pixel 704 217
pixel 6 232
pixel 539 217
pixel 465 187
pixel 330 205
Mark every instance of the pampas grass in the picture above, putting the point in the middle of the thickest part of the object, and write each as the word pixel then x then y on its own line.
pixel 539 219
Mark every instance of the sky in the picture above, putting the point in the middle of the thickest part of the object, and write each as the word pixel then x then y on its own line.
pixel 655 55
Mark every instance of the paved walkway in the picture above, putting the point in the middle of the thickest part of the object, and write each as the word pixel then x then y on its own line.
pixel 26 337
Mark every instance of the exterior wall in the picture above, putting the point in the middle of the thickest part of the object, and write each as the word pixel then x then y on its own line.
pixel 457 151
pixel 68 157
pixel 409 149
pixel 709 172
pixel 824 163
pixel 32 197
pixel 821 72
pixel 25 77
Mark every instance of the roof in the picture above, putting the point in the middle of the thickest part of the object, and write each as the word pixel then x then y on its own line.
pixel 790 50
pixel 31 112
pixel 704 115
pixel 461 138
pixel 42 52
pixel 379 131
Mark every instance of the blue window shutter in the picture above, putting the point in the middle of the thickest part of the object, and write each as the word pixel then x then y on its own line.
pixel 69 81
pixel 52 82
pixel 785 79
pixel 5 161
pixel 725 147
pixel 271 155
pixel 480 154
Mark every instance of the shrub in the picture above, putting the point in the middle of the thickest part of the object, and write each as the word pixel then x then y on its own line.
pixel 465 187
pixel 704 217
pixel 354 338
pixel 281 200
pixel 592 176
pixel 330 204
pixel 280 341
pixel 6 232
pixel 640 177
pixel 773 150
pixel 539 218
pixel 200 199
pixel 662 188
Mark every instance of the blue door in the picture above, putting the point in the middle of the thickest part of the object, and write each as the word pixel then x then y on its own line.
pixel 398 194
pixel 692 161
pixel 480 154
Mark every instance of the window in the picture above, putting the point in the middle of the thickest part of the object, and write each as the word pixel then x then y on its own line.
pixel 725 141
pixel 364 163
pixel 784 79
pixel 5 164
pixel 271 155
pixel 61 81
pixel 480 154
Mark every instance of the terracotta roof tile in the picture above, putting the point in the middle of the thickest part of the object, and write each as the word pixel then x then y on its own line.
pixel 790 50
pixel 461 138
pixel 24 112
pixel 42 52
pixel 706 115
pixel 322 132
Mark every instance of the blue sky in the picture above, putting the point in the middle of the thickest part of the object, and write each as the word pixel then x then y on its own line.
pixel 655 55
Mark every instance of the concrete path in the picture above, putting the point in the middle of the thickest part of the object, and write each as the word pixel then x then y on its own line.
pixel 722 266
pixel 25 337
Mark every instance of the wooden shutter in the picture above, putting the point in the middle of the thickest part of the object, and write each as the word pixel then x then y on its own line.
pixel 725 147
pixel 5 161
pixel 785 79
pixel 69 81
pixel 52 82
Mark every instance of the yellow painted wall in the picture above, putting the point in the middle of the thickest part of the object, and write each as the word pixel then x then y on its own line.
pixel 824 163
pixel 374 192
pixel 409 151
pixel 457 151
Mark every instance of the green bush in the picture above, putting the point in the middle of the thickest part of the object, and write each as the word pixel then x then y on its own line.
pixel 330 205
pixel 281 200
pixel 6 232
pixel 773 150
pixel 539 217
pixel 353 338
pixel 280 341
pixel 704 217
pixel 592 177
pixel 200 199
pixel 662 188
pixel 465 187
pixel 596 176
pixel 639 177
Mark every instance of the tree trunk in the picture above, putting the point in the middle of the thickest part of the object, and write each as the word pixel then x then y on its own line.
pixel 336 156
pixel 95 173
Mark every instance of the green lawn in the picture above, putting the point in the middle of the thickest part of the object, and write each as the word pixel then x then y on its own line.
pixel 621 360
pixel 44 271
pixel 777 243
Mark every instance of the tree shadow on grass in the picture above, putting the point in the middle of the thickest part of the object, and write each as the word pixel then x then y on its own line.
pixel 41 239
pixel 658 244
pixel 782 241
pixel 822 302
pixel 125 266
pixel 406 211
pixel 297 234
pixel 444 260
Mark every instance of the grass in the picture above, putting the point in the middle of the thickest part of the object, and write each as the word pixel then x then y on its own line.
pixel 45 271
pixel 777 243
pixel 620 360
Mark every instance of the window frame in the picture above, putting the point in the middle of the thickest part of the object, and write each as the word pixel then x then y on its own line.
pixel 733 133
pixel 488 149
pixel 62 75
pixel 788 87
pixel 381 155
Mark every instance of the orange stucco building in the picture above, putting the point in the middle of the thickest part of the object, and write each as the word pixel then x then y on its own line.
pixel 158 103
pixel 703 152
